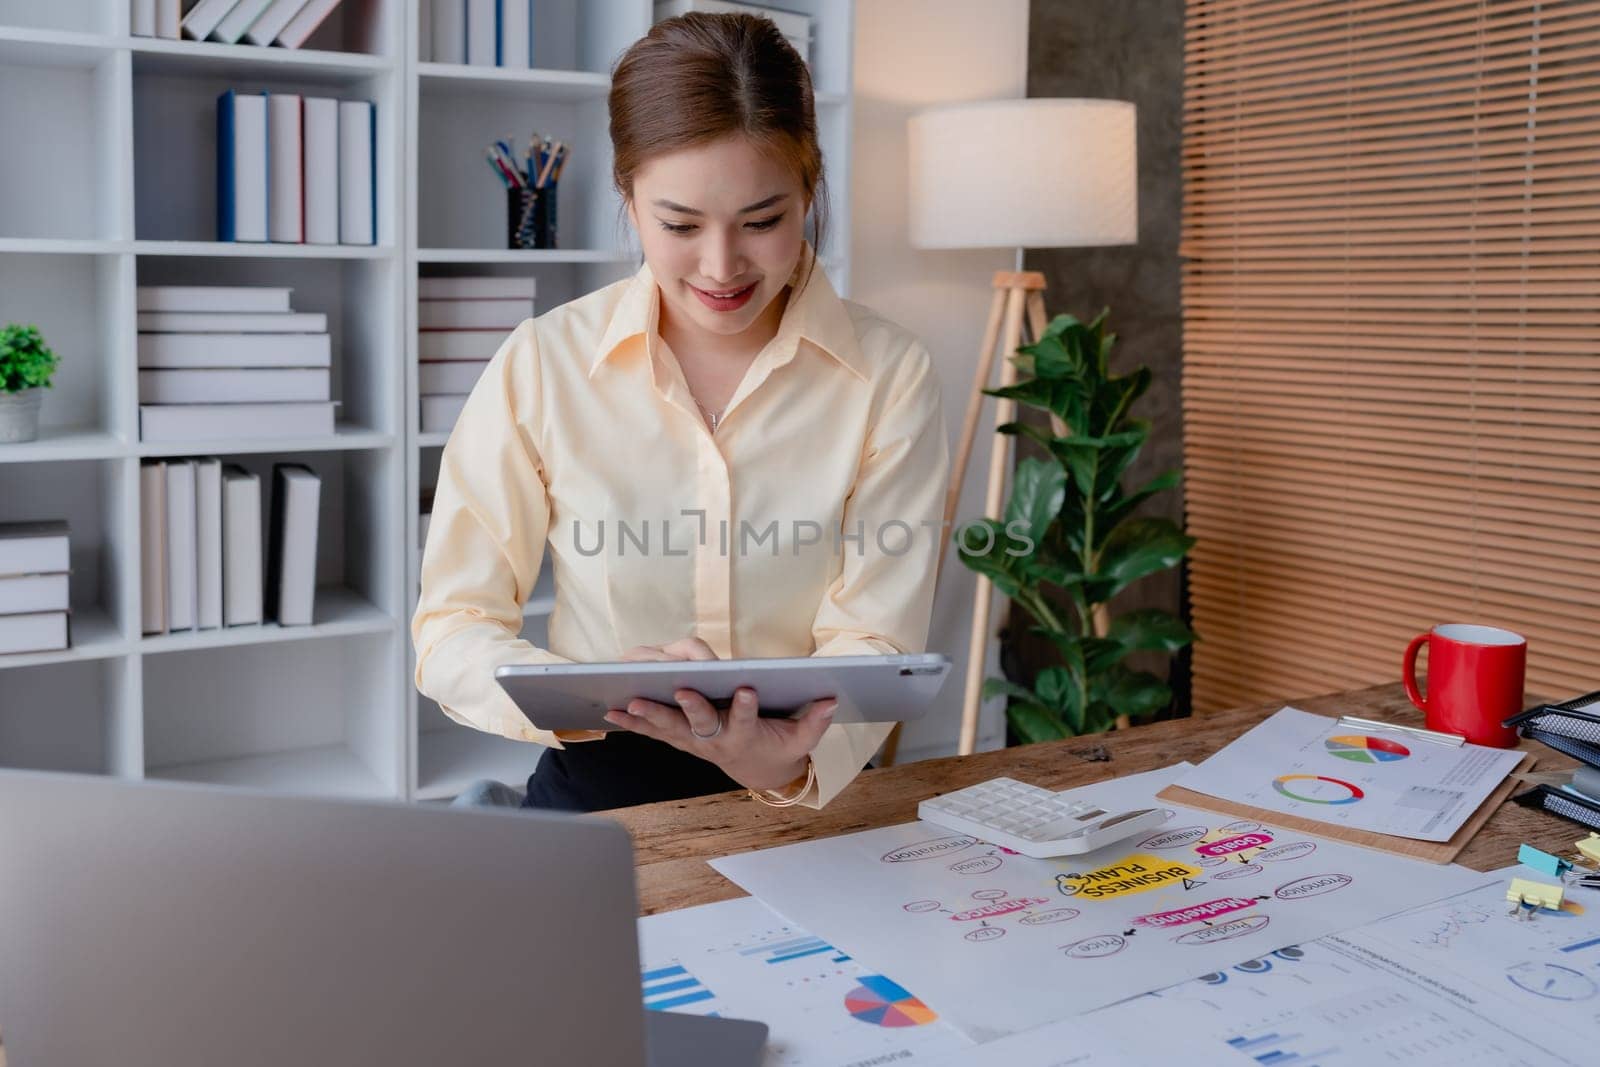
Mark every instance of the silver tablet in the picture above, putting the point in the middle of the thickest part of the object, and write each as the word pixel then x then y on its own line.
pixel 576 696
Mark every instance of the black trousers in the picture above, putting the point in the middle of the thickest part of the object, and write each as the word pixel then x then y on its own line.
pixel 622 770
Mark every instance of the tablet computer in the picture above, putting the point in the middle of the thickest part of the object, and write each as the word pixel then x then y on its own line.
pixel 576 696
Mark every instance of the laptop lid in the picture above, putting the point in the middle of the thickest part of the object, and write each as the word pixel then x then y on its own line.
pixel 163 925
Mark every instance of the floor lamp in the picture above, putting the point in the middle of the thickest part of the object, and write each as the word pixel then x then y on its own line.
pixel 1031 173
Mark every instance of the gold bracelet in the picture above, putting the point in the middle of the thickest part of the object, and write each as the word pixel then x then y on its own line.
pixel 788 802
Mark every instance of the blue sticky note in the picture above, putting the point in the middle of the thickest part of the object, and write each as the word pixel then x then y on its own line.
pixel 1543 862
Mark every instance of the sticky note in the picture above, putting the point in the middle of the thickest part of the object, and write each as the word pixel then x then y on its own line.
pixel 1543 862
pixel 1525 891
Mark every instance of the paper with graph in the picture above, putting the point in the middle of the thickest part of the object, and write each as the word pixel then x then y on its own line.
pixel 1308 765
pixel 1062 937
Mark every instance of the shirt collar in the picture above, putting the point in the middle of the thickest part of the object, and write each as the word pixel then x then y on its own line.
pixel 815 314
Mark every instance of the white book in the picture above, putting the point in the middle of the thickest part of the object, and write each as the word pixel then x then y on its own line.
pixel 483 287
pixel 235 22
pixel 292 550
pixel 21 593
pixel 169 16
pixel 228 350
pixel 439 413
pixel 241 547
pixel 228 322
pixel 516 39
pixel 322 170
pixel 483 33
pixel 242 163
pixel 203 18
pixel 211 422
pixel 37 632
pixel 357 226
pixel 265 29
pixel 153 548
pixel 459 344
pixel 208 543
pixel 262 386
pixel 242 298
pixel 34 548
pixel 453 376
pixel 449 31
pixel 143 18
pixel 285 193
pixel 182 563
pixel 306 22
pixel 500 314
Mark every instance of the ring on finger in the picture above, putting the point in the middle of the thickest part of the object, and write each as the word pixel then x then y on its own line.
pixel 713 733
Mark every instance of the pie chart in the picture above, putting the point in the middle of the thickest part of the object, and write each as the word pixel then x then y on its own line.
pixel 1317 789
pixel 884 1003
pixel 1359 748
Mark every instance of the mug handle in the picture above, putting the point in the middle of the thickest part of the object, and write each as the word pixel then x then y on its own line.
pixel 1408 673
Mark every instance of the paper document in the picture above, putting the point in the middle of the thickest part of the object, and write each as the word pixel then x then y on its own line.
pixel 1308 765
pixel 998 943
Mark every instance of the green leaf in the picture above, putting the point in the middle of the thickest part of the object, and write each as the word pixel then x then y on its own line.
pixel 1035 722
pixel 991 561
pixel 1137 548
pixel 1117 509
pixel 25 361
pixel 993 687
pixel 1037 490
pixel 1151 630
pixel 1137 694
pixel 1040 569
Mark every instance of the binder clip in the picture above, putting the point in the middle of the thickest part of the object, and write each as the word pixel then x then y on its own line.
pixel 1590 846
pixel 1525 893
pixel 1564 871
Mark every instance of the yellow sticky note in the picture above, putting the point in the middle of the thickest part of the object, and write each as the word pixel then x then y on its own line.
pixel 1590 846
pixel 1526 891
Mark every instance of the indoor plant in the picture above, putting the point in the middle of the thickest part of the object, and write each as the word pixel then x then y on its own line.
pixel 1068 525
pixel 26 366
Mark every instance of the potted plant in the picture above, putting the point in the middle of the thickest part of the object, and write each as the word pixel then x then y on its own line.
pixel 26 367
pixel 1069 526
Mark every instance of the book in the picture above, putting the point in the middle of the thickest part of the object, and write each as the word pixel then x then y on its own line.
pixel 239 19
pixel 449 31
pixel 229 322
pixel 306 22
pixel 234 350
pixel 484 287
pixel 34 548
pixel 23 593
pixel 292 546
pixel 182 566
pixel 208 543
pixel 262 386
pixel 241 166
pixel 153 548
pixel 203 18
pixel 483 33
pixel 36 632
pixel 237 298
pixel 495 314
pixel 321 128
pixel 516 33
pixel 452 376
pixel 285 190
pixel 242 576
pixel 211 422
pixel 439 413
pixel 459 344
pixel 358 222
pixel 169 15
pixel 265 29
pixel 142 18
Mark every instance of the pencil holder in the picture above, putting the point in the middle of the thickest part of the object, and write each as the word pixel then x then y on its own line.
pixel 522 205
pixel 544 217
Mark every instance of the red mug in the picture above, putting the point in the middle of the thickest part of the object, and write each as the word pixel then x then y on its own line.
pixel 1475 676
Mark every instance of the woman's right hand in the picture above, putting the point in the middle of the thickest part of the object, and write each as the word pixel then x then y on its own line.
pixel 683 648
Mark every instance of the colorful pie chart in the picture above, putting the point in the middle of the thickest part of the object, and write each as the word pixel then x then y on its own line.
pixel 1317 789
pixel 883 1003
pixel 1359 748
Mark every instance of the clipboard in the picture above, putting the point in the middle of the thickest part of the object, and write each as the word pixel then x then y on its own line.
pixel 1431 851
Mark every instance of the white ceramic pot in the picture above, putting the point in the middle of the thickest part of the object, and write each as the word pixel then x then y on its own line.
pixel 19 415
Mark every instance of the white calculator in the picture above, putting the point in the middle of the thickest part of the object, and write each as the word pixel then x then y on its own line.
pixel 1033 821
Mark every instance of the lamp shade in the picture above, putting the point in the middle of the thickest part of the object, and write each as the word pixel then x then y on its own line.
pixel 1033 173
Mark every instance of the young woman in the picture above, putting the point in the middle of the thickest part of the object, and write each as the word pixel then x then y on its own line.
pixel 721 457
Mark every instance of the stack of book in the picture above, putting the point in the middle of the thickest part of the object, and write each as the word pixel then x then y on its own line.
pixel 296 170
pixel 461 323
pixel 201 560
pixel 282 22
pixel 230 362
pixel 33 587
pixel 482 33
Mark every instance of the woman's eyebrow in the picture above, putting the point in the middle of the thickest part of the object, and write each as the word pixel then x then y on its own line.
pixel 757 206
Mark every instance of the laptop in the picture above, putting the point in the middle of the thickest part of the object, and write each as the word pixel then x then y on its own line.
pixel 152 924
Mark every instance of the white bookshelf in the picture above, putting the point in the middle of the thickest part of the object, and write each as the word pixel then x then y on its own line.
pixel 116 190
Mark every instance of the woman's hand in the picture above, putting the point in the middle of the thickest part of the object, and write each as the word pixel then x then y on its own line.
pixel 755 752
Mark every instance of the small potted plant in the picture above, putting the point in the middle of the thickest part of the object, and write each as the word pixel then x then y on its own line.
pixel 26 367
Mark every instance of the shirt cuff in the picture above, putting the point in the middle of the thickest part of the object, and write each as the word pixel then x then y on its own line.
pixel 844 749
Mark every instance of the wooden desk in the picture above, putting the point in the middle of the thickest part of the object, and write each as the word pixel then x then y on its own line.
pixel 673 840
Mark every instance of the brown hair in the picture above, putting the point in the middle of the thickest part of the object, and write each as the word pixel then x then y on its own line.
pixel 699 78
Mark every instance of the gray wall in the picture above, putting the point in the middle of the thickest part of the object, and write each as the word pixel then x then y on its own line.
pixel 1123 50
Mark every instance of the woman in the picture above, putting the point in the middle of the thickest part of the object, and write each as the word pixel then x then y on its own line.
pixel 722 458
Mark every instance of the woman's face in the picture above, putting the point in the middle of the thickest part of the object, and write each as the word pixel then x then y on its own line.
pixel 722 227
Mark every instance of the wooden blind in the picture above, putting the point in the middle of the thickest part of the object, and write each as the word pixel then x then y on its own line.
pixel 1391 385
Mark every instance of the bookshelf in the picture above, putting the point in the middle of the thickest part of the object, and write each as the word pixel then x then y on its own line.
pixel 328 708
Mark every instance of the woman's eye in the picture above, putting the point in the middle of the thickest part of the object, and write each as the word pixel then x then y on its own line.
pixel 765 224
pixel 677 227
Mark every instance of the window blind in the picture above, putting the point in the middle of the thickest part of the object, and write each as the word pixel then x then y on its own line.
pixel 1391 293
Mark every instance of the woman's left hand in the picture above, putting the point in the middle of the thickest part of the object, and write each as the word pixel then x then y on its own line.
pixel 755 752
